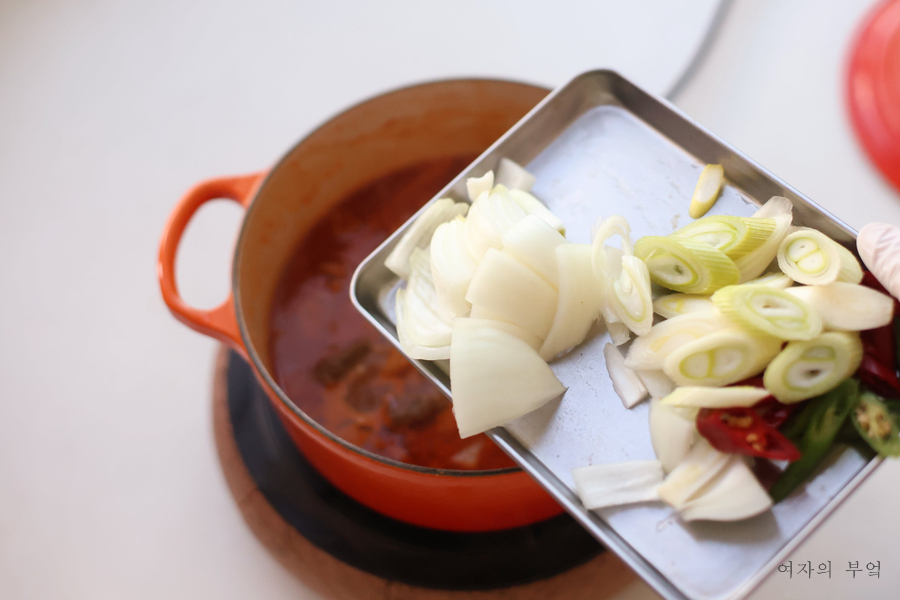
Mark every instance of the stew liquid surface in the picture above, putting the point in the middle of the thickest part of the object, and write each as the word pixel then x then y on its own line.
pixel 335 366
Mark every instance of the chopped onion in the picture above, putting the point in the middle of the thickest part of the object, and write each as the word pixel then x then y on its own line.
pixel 733 494
pixel 673 305
pixel 734 236
pixel 626 383
pixel 419 233
pixel 579 300
pixel 533 241
pixel 423 329
pixel 452 267
pixel 847 306
pixel 807 369
pixel 600 486
pixel 650 351
pixel 492 215
pixel 879 248
pixel 514 330
pixel 684 265
pixel 709 397
pixel 700 466
pixel 720 358
pixel 533 206
pixel 671 434
pixel 475 186
pixel 495 377
pixel 618 332
pixel 767 310
pixel 709 184
pixel 811 257
pixel 507 288
pixel 657 383
pixel 514 176
pixel 779 281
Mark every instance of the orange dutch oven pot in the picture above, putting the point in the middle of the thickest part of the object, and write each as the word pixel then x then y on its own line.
pixel 372 139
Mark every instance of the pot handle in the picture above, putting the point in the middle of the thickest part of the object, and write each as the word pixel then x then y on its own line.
pixel 219 322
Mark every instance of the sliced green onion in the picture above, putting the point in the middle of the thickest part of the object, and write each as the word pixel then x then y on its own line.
pixel 734 236
pixel 767 310
pixel 709 184
pixel 630 296
pixel 721 358
pixel 533 206
pixel 452 267
pixel 776 206
pixel 579 300
pixel 475 186
pixel 684 265
pixel 600 486
pixel 673 305
pixel 847 306
pixel 491 216
pixel 514 176
pixel 649 352
pixel 505 287
pixel 533 241
pixel 709 397
pixel 755 264
pixel 419 233
pixel 779 281
pixel 807 369
pixel 811 257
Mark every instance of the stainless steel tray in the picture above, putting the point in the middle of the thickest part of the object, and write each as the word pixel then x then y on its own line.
pixel 600 145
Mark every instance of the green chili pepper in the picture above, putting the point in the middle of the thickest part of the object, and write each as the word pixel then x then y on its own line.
pixel 876 425
pixel 827 414
pixel 798 423
pixel 848 434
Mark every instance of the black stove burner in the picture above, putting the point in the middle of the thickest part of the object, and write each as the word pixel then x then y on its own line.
pixel 377 544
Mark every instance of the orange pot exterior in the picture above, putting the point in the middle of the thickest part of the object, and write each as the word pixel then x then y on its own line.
pixel 448 500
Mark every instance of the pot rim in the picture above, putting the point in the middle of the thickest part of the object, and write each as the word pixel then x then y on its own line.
pixel 258 365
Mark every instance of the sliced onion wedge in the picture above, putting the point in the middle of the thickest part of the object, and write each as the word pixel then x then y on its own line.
pixel 657 383
pixel 495 378
pixel 673 305
pixel 684 265
pixel 514 176
pixel 514 330
pixel 626 383
pixel 709 397
pixel 533 206
pixel 618 333
pixel 419 233
pixel 491 216
pixel 847 306
pixel 734 236
pixel 514 293
pixel 475 186
pixel 811 257
pixel 533 241
pixel 671 433
pixel 452 267
pixel 721 358
pixel 808 369
pixel 769 311
pixel 600 486
pixel 650 351
pixel 423 328
pixel 700 466
pixel 733 494
pixel 579 300
pixel 709 185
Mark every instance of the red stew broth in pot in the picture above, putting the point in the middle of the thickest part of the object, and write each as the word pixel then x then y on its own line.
pixel 335 366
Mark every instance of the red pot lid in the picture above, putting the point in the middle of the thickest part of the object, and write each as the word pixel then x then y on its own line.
pixel 873 87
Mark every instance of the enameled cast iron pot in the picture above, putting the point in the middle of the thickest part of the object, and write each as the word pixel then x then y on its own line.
pixel 372 139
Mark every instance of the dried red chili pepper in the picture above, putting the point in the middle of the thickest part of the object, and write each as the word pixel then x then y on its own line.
pixel 877 377
pixel 741 430
pixel 879 343
pixel 773 412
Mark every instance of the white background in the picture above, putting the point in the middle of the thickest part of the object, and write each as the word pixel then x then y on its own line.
pixel 109 485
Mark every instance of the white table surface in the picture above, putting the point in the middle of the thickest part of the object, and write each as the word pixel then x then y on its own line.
pixel 109 484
